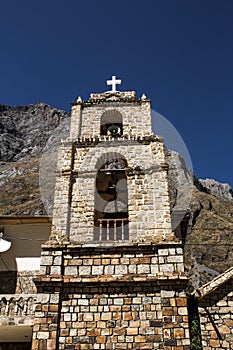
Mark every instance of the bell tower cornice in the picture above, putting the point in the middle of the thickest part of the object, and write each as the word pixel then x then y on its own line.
pixel 112 96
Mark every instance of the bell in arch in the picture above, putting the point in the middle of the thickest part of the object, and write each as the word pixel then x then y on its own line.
pixel 114 130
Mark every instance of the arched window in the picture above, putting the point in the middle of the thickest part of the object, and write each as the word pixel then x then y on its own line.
pixel 111 200
pixel 111 123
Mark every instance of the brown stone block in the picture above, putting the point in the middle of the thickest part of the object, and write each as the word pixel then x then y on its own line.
pixel 134 261
pixel 145 346
pixel 51 344
pixel 88 317
pixel 42 344
pixel 35 344
pixel 127 316
pixel 94 302
pixel 228 322
pixel 172 301
pixel 181 301
pixel 132 331
pixel 182 311
pixel 101 339
pixel 84 347
pixel 101 324
pixel 140 339
pixel 36 328
pixel 106 316
pixel 44 307
pixel 121 346
pixel 167 312
pixel 64 332
pixel 97 261
pixel 80 324
pixel 126 307
pixel 213 335
pixel 134 324
pixel 44 328
pixel 185 319
pixel 106 261
pixel 178 333
pixel 91 324
pixel 117 315
pixel 114 261
pixel 62 324
pixel 127 300
pixel 144 260
pixel 135 315
pixel 214 343
pixel 113 308
pixel 53 335
pixel 76 262
pixel 40 320
pixel 169 325
pixel 224 329
pixel 154 338
pixel 93 332
pixel 119 331
pixel 97 316
pixel 69 340
pixel 53 308
pixel 124 261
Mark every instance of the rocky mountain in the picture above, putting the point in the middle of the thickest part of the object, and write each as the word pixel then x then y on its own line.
pixel 24 132
pixel 219 190
pixel 203 208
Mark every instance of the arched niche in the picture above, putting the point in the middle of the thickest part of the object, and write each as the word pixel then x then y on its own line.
pixel 111 123
pixel 111 199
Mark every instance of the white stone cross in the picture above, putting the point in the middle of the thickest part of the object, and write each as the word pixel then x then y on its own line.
pixel 113 82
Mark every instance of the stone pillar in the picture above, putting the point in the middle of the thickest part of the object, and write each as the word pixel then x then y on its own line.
pixel 48 305
pixel 76 115
pixel 63 189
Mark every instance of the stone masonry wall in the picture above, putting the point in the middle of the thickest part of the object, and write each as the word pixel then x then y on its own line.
pixel 123 316
pixel 126 297
pixel 148 204
pixel 216 318
pixel 86 121
pixel 17 282
pixel 123 261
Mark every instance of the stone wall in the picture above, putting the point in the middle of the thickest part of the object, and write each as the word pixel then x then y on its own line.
pixel 148 204
pixel 122 316
pixel 216 318
pixel 86 120
pixel 123 297
pixel 18 282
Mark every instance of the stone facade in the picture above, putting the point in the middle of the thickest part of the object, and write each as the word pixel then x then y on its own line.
pixel 126 297
pixel 118 286
pixel 215 308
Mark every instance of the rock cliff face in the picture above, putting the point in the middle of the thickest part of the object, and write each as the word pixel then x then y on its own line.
pixel 219 190
pixel 204 207
pixel 24 132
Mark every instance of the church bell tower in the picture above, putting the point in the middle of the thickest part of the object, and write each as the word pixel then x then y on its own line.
pixel 112 274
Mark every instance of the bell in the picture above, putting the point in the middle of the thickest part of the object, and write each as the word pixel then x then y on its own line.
pixel 111 185
pixel 114 130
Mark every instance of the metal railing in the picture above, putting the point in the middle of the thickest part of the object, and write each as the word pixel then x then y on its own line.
pixel 113 229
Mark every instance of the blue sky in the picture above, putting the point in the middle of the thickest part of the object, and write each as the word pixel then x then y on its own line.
pixel 179 52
